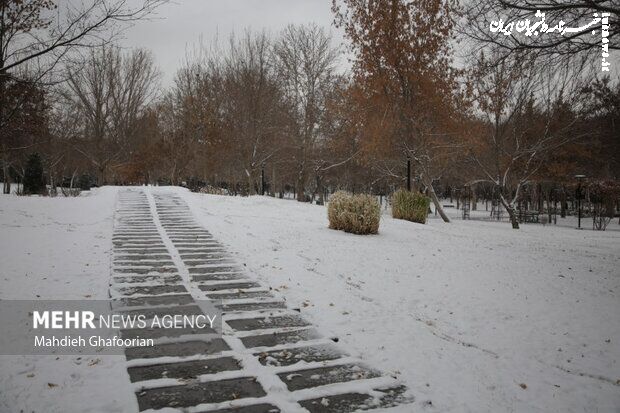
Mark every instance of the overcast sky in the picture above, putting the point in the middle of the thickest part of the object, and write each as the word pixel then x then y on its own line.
pixel 179 25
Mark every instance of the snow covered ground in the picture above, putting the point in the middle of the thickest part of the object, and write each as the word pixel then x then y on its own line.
pixel 472 315
pixel 59 249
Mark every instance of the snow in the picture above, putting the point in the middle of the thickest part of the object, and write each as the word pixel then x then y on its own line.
pixel 471 316
pixel 15 188
pixel 464 313
pixel 59 249
pixel 56 248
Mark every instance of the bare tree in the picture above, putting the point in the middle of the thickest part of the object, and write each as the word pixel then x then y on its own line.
pixel 574 14
pixel 110 91
pixel 193 116
pixel 526 116
pixel 37 35
pixel 305 62
pixel 31 30
pixel 254 104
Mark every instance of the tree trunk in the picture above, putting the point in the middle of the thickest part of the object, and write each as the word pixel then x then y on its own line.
pixel 320 190
pixel 436 202
pixel 53 191
pixel 6 188
pixel 301 185
pixel 102 175
pixel 563 204
pixel 251 182
pixel 511 212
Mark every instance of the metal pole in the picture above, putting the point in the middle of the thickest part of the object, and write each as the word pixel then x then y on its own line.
pixel 262 180
pixel 579 206
pixel 408 173
pixel 579 195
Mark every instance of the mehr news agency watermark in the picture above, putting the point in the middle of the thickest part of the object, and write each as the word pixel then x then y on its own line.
pixel 535 28
pixel 101 327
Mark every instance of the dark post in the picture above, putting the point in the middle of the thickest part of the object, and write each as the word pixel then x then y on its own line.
pixel 579 206
pixel 262 180
pixel 408 173
pixel 579 195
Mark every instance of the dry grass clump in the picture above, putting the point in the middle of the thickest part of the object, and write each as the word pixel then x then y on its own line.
pixel 357 214
pixel 212 190
pixel 411 206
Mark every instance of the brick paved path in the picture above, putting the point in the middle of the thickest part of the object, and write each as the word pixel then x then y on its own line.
pixel 268 359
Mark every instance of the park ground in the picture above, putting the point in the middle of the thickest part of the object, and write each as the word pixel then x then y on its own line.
pixel 472 316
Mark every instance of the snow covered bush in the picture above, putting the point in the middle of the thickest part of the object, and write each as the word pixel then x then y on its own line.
pixel 411 206
pixel 357 214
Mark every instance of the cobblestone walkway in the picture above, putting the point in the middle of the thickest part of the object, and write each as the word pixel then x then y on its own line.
pixel 268 359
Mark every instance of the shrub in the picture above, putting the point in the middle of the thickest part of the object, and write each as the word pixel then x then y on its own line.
pixel 357 214
pixel 411 206
pixel 85 182
pixel 337 204
pixel 34 182
pixel 212 190
pixel 70 192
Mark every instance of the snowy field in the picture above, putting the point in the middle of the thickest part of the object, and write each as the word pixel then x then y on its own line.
pixel 465 313
pixel 473 316
pixel 59 249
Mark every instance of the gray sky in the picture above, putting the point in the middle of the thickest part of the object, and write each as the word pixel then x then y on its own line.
pixel 179 26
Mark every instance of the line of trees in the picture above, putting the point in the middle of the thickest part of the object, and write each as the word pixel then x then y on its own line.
pixel 278 109
pixel 37 39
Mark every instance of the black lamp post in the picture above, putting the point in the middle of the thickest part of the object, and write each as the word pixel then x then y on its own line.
pixel 408 173
pixel 262 180
pixel 580 178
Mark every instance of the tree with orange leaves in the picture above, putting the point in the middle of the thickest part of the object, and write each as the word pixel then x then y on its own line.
pixel 403 71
